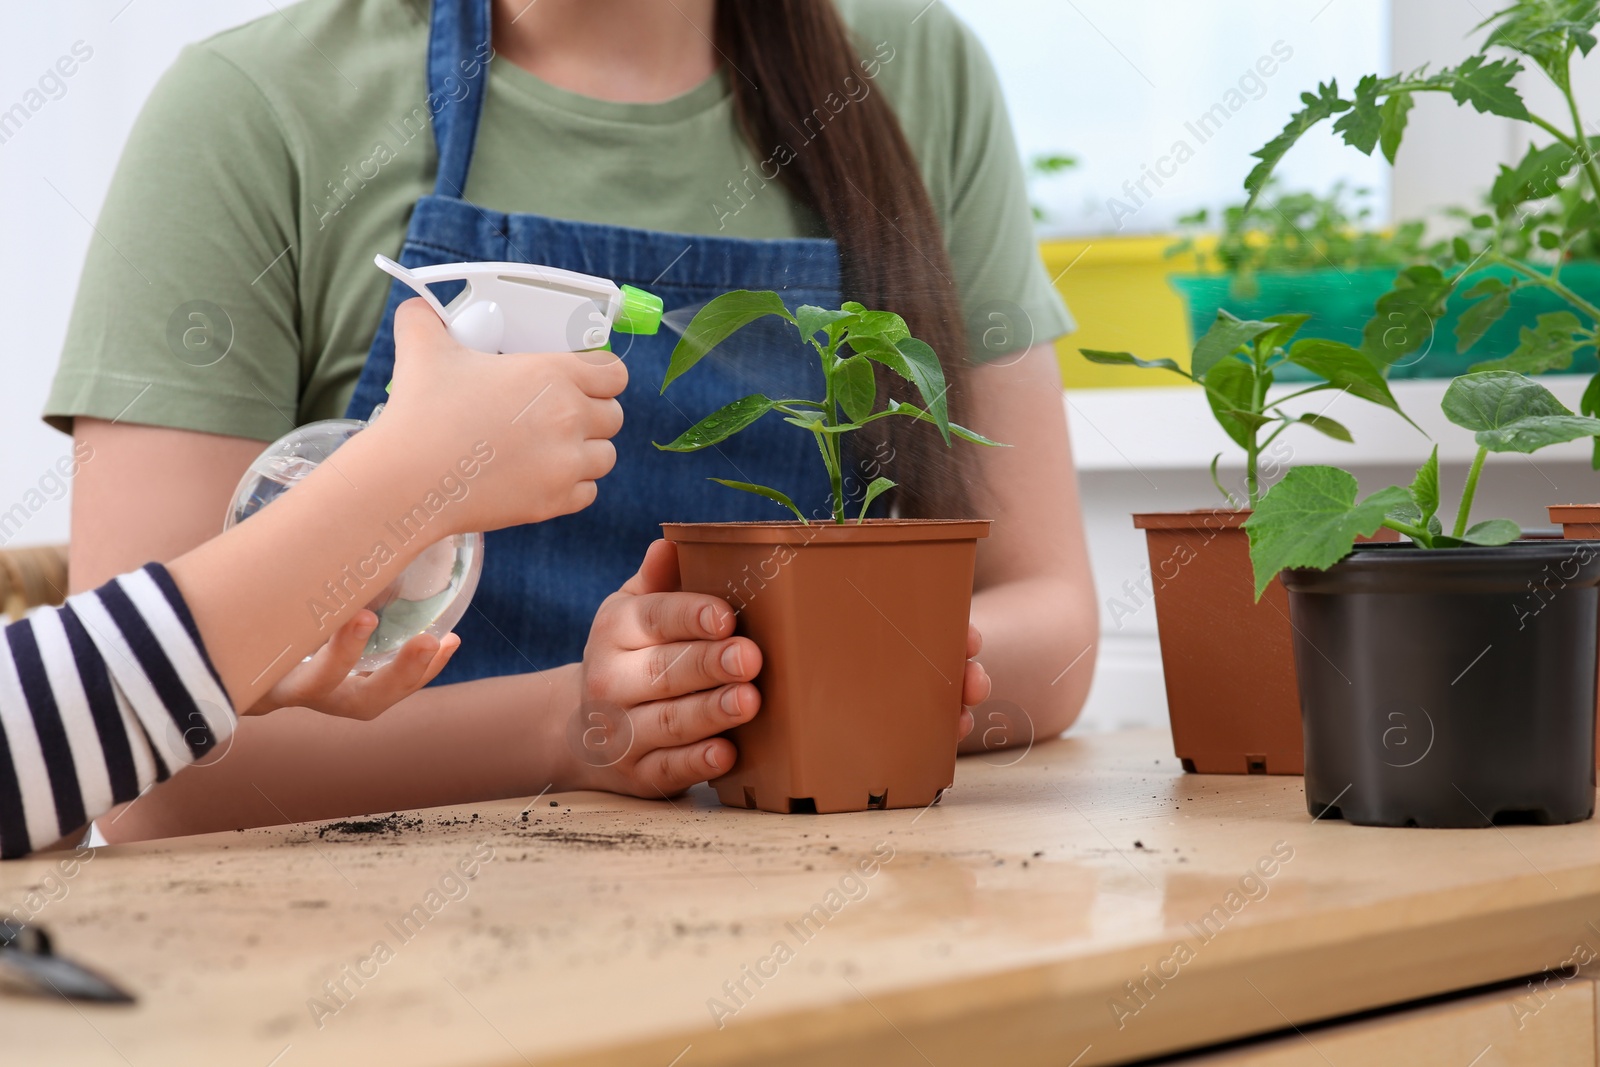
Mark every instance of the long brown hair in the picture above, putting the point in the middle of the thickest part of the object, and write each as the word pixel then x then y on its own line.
pixel 854 167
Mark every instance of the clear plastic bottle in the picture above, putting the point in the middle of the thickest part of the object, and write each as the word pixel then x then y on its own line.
pixel 429 596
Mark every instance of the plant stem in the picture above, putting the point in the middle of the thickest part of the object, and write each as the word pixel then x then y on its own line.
pixel 1273 436
pixel 1552 129
pixel 1550 283
pixel 1585 153
pixel 1416 533
pixel 1252 452
pixel 830 442
pixel 1467 492
pixel 1301 393
pixel 1423 87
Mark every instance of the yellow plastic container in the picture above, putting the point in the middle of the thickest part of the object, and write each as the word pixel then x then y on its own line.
pixel 1118 292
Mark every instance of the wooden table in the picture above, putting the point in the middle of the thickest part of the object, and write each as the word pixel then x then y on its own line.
pixel 1085 904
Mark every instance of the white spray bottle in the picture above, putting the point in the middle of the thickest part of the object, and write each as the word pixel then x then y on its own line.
pixel 504 307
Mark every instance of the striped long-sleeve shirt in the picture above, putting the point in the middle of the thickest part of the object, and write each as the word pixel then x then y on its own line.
pixel 100 698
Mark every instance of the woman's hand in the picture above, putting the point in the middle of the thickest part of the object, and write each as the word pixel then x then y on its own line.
pixel 324 682
pixel 662 675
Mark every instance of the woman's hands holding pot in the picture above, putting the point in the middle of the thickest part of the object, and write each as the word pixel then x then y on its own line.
pixel 661 677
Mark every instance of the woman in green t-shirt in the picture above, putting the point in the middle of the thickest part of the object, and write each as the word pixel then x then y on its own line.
pixel 857 150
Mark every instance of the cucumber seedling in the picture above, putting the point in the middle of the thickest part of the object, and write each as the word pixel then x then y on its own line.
pixel 1312 519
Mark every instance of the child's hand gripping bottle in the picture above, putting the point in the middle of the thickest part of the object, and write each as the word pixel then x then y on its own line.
pixel 502 307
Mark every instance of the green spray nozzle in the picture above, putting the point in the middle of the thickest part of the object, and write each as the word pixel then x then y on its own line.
pixel 641 312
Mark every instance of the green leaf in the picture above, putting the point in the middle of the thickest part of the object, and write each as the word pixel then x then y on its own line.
pixel 1404 319
pixel 1492 532
pixel 897 408
pixel 1279 336
pixel 720 424
pixel 1486 286
pixel 1346 368
pixel 1486 85
pixel 814 320
pixel 1311 519
pixel 1478 317
pixel 1510 412
pixel 1328 426
pixel 1589 404
pixel 1233 501
pixel 1535 177
pixel 1363 122
pixel 1546 32
pixel 1230 390
pixel 1585 214
pixel 855 387
pixel 1226 335
pixel 761 490
pixel 916 363
pixel 1128 359
pixel 716 322
pixel 1548 346
pixel 1393 114
pixel 878 487
pixel 1424 488
pixel 883 324
pixel 1323 104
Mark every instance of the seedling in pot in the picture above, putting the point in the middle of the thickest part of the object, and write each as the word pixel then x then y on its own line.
pixel 1235 361
pixel 848 341
pixel 1564 172
pixel 1312 518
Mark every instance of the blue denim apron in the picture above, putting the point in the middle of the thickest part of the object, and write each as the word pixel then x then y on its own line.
pixel 542 583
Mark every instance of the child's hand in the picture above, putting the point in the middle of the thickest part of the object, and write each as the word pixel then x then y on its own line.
pixel 497 440
pixel 324 682
pixel 662 676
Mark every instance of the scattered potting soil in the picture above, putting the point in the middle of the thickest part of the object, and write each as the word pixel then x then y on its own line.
pixel 394 823
pixel 616 839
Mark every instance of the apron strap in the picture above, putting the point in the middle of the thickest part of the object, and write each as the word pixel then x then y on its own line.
pixel 458 80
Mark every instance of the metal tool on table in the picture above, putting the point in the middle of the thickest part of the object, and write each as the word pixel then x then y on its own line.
pixel 28 963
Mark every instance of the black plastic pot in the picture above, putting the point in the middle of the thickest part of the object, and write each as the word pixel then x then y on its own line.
pixel 1449 688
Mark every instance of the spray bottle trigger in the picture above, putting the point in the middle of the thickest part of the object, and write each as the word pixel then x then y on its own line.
pixel 395 270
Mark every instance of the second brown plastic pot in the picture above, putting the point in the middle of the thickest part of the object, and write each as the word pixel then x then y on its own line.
pixel 863 637
pixel 1228 658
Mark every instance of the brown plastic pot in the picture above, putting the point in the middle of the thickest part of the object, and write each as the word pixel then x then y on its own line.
pixel 863 637
pixel 1228 659
pixel 1579 522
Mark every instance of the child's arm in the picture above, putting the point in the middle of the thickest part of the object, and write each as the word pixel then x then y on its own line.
pixel 115 690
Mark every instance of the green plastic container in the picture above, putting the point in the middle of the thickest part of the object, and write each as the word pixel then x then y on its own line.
pixel 1341 301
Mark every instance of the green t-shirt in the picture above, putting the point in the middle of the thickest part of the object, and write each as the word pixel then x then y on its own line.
pixel 230 288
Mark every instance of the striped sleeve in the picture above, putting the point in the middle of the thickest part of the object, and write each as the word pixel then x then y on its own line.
pixel 101 698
